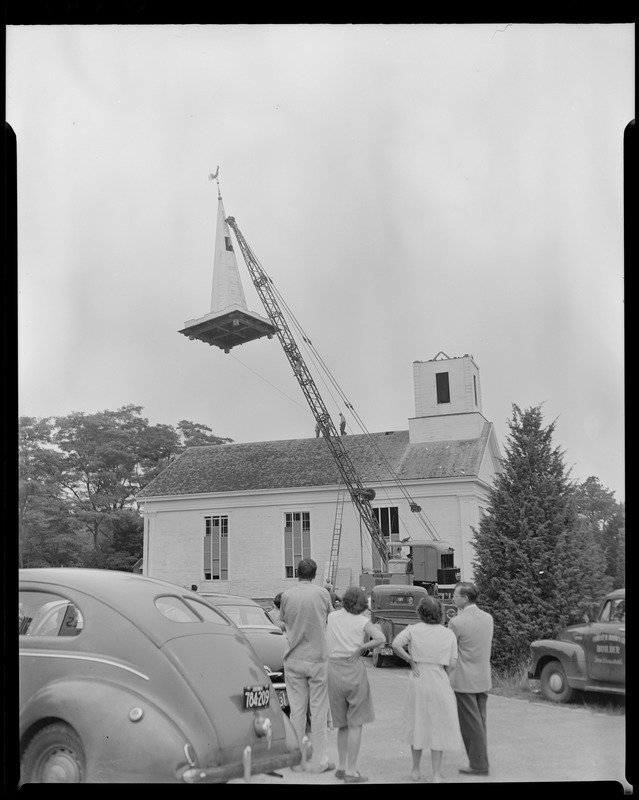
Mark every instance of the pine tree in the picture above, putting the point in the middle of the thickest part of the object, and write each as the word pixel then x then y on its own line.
pixel 537 565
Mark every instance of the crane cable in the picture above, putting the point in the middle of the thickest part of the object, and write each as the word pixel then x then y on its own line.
pixel 422 518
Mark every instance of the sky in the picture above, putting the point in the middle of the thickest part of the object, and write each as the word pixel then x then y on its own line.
pixel 410 190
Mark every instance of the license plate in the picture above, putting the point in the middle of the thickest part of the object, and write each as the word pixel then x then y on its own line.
pixel 256 696
pixel 283 698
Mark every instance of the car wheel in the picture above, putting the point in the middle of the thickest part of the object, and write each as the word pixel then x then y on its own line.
pixel 554 684
pixel 378 660
pixel 54 755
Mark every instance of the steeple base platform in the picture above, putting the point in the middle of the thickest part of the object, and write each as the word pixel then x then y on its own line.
pixel 227 329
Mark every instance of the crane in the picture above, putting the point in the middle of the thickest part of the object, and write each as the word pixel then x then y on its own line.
pixel 360 495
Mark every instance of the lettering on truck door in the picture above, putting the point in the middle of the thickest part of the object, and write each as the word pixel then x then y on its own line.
pixel 606 644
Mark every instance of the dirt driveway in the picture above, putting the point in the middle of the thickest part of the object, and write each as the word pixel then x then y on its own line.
pixel 528 743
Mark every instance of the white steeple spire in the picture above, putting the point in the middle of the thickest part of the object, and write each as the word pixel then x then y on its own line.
pixel 227 292
pixel 229 323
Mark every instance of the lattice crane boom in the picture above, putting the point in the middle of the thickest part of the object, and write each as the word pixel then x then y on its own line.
pixel 360 495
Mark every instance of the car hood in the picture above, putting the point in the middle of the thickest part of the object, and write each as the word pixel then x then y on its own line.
pixel 569 633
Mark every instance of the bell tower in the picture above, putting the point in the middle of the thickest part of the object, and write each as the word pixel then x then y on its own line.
pixel 447 400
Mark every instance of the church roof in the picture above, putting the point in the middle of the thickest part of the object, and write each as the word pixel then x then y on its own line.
pixel 299 463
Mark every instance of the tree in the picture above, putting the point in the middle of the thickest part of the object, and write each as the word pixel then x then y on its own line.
pixel 537 565
pixel 606 518
pixel 79 476
pixel 125 545
pixel 194 434
pixel 48 535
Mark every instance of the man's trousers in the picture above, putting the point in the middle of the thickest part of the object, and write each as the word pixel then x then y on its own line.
pixel 471 708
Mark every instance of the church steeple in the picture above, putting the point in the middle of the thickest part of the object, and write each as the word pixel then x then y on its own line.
pixel 229 322
pixel 227 292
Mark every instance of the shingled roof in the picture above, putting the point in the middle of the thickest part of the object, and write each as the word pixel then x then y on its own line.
pixel 296 463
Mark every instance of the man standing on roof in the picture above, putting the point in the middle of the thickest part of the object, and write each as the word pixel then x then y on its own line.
pixel 304 610
pixel 342 424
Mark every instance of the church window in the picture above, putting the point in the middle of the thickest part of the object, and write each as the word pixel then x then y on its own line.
pixel 216 548
pixel 297 540
pixel 388 521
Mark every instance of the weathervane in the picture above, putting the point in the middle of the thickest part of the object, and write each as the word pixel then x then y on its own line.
pixel 213 177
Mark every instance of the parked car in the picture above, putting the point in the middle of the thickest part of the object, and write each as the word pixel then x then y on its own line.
pixel 590 656
pixel 124 678
pixel 268 639
pixel 393 607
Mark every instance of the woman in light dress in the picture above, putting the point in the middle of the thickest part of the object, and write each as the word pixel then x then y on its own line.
pixel 430 708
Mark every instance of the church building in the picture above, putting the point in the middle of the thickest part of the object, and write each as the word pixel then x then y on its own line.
pixel 238 517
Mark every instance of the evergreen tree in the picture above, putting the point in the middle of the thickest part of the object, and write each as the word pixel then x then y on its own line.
pixel 537 565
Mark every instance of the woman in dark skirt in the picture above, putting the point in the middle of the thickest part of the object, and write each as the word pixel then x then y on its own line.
pixel 348 689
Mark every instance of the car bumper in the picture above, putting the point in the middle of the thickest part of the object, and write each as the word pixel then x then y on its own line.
pixel 248 767
pixel 245 770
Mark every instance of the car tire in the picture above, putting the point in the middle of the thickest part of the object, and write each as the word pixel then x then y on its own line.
pixel 554 684
pixel 378 660
pixel 54 755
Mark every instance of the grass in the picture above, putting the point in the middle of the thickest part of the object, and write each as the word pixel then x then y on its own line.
pixel 517 685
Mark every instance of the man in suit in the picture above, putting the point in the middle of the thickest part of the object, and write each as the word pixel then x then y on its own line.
pixel 471 678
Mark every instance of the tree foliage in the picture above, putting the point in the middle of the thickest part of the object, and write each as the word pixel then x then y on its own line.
pixel 606 518
pixel 78 478
pixel 539 564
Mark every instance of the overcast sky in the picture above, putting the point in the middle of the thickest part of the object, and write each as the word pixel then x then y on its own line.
pixel 409 189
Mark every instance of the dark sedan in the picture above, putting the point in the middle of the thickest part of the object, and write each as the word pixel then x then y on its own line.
pixel 124 678
pixel 269 640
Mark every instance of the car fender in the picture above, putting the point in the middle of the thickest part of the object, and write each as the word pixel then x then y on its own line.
pixel 570 655
pixel 133 730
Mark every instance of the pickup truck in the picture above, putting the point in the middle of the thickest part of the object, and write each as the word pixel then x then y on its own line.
pixel 590 656
pixel 393 607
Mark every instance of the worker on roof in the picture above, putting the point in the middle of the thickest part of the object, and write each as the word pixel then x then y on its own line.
pixel 342 424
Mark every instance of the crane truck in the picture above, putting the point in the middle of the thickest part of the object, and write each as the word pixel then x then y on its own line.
pixel 428 563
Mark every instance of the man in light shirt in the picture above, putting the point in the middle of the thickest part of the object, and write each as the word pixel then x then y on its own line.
pixel 304 610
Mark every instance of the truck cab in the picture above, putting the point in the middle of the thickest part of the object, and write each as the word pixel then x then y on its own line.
pixel 400 571
pixel 589 656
